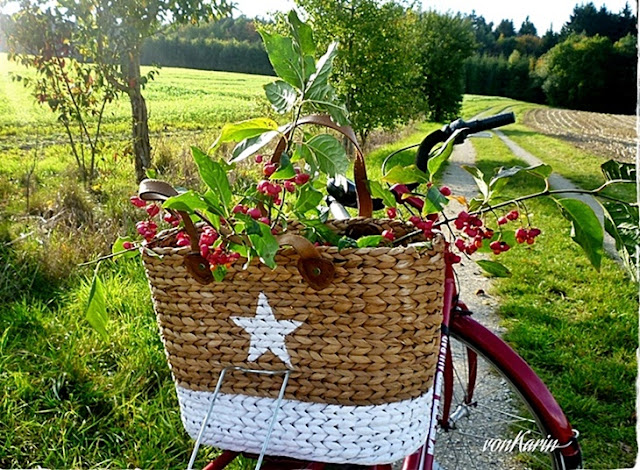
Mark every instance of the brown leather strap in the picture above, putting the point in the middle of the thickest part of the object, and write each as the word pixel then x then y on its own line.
pixel 365 204
pixel 317 271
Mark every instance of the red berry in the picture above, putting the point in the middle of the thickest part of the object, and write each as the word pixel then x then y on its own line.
pixel 258 158
pixel 254 213
pixel 301 178
pixel 136 201
pixel 460 244
pixel 392 213
pixel 263 186
pixel 463 216
pixel 534 232
pixel 127 245
pixel 488 234
pixel 530 241
pixel 521 233
pixel 290 186
pixel 389 235
pixel 504 246
pixel 502 220
pixel 513 215
pixel 208 237
pixel 239 208
pixel 269 169
pixel 171 219
pixel 182 239
pixel 445 191
pixel 415 220
pixel 472 232
pixel 264 220
pixel 433 217
pixel 153 210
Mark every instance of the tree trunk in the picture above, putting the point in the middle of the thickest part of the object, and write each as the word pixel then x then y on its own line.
pixel 140 121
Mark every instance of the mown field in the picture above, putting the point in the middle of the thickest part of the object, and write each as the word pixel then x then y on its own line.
pixel 72 400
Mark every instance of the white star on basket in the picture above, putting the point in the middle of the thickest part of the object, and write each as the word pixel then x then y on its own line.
pixel 267 332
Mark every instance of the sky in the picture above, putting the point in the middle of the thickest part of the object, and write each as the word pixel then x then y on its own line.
pixel 542 13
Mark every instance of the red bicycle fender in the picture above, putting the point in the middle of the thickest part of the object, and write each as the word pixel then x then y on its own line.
pixel 521 375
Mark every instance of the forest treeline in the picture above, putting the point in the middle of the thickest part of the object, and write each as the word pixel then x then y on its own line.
pixel 590 64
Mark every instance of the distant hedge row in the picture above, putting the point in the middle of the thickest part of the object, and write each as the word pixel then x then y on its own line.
pixel 207 54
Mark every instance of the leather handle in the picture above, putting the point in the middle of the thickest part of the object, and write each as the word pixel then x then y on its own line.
pixel 317 271
pixel 365 204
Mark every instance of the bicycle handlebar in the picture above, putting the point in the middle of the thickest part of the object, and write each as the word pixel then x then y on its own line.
pixel 479 125
pixel 344 192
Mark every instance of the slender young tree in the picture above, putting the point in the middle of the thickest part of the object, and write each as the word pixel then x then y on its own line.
pixel 110 33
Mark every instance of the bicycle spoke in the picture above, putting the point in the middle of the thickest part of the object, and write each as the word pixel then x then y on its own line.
pixel 496 412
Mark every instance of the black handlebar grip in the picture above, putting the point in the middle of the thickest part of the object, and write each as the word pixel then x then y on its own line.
pixel 492 122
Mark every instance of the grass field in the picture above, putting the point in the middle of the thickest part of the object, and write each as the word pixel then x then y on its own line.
pixel 72 400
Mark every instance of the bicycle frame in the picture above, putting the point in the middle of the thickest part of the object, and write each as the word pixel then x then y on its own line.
pixel 456 318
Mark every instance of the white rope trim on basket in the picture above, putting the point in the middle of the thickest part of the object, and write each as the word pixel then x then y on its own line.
pixel 365 435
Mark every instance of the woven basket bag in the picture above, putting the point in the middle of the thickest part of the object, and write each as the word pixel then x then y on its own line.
pixel 361 349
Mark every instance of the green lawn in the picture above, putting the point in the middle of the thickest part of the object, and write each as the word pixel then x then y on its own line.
pixel 71 399
pixel 578 328
pixel 179 99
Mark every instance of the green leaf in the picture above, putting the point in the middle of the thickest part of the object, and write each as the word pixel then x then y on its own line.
pixel 441 154
pixel 369 241
pixel 324 232
pixel 436 200
pixel 405 175
pixel 347 242
pixel 503 175
pixel 285 171
pixel 188 201
pixel 318 86
pixel 284 58
pixel 118 247
pixel 379 192
pixel 249 146
pixel 494 268
pixel 621 222
pixel 281 95
pixel 219 272
pixel 251 227
pixel 236 132
pixel 265 244
pixel 151 173
pixel 615 170
pixel 586 230
pixel 308 199
pixel 478 177
pixel 96 310
pixel 302 33
pixel 215 177
pixel 329 154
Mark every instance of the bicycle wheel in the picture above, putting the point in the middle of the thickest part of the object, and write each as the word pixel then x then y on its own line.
pixel 479 431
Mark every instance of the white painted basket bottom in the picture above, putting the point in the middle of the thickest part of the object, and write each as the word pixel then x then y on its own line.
pixel 365 435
